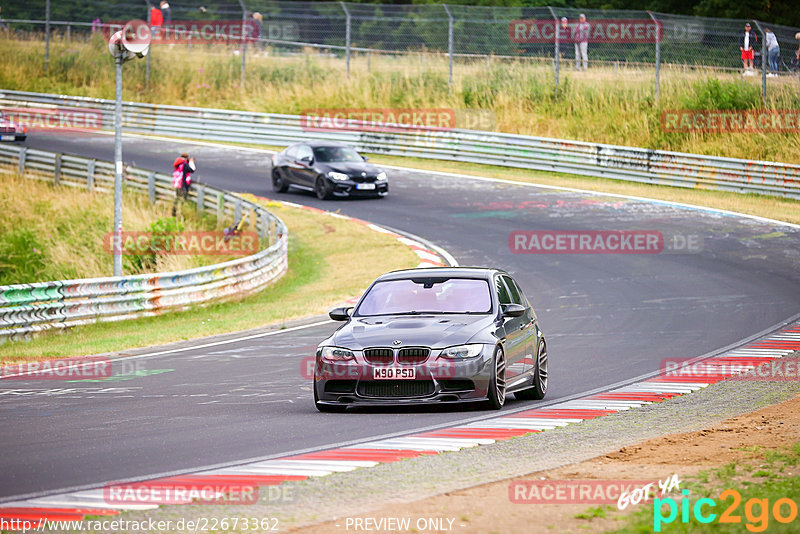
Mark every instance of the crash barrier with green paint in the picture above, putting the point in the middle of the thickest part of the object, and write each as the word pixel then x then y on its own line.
pixel 473 146
pixel 29 308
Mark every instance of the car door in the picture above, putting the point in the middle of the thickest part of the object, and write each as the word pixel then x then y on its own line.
pixel 527 322
pixel 514 334
pixel 303 166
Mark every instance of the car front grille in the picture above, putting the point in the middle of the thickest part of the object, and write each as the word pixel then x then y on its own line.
pixel 395 388
pixel 362 179
pixel 413 355
pixel 379 356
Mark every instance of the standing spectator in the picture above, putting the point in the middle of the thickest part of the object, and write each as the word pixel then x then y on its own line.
pixel 563 31
pixel 580 35
pixel 259 26
pixel 183 167
pixel 773 51
pixel 156 17
pixel 797 53
pixel 747 42
pixel 166 11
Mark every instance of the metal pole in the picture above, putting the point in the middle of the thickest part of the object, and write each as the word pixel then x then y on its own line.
pixel 658 56
pixel 557 39
pixel 346 36
pixel 244 42
pixel 449 44
pixel 147 60
pixel 46 35
pixel 118 170
pixel 763 62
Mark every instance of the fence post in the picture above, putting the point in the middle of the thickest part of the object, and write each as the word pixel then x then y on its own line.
pixel 658 55
pixel 57 172
pixel 244 41
pixel 557 62
pixel 46 35
pixel 23 153
pixel 90 175
pixel 264 228
pixel 151 187
pixel 237 210
pixel 200 198
pixel 763 61
pixel 346 36
pixel 449 44
pixel 69 33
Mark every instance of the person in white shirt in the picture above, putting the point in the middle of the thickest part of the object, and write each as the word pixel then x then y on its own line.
pixel 580 35
pixel 747 43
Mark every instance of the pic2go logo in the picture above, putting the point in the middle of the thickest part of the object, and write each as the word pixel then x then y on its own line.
pixel 756 511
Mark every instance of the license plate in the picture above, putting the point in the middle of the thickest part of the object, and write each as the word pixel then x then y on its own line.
pixel 6 137
pixel 365 186
pixel 394 373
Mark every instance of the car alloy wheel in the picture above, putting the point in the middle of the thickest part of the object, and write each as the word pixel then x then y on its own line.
pixel 538 387
pixel 497 384
pixel 321 189
pixel 277 182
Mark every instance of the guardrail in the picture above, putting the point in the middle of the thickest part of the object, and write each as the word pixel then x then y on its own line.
pixel 29 308
pixel 509 150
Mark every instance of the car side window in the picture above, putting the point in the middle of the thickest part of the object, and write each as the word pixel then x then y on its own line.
pixel 304 151
pixel 522 299
pixel 513 292
pixel 502 292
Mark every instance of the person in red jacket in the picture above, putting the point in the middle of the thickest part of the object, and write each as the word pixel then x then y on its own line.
pixel 183 167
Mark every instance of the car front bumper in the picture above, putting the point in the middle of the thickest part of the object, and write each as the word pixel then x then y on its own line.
pixel 437 380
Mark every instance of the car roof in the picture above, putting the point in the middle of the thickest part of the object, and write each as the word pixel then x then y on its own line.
pixel 438 272
pixel 316 143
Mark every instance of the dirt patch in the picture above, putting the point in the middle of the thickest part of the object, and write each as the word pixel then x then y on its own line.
pixel 488 508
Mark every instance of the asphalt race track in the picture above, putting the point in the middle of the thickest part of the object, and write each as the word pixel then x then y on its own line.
pixel 607 317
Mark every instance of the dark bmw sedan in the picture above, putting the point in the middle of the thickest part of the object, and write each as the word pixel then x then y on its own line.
pixel 436 335
pixel 329 169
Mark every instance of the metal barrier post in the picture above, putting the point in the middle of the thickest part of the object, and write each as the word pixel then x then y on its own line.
pixel 23 152
pixel 237 211
pixel 346 36
pixel 90 175
pixel 200 198
pixel 449 44
pixel 151 187
pixel 57 172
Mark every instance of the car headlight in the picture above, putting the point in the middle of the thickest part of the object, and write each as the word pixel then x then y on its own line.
pixel 337 354
pixel 338 176
pixel 462 351
pixel 381 177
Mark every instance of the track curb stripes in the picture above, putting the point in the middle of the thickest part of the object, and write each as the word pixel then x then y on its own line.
pixel 77 505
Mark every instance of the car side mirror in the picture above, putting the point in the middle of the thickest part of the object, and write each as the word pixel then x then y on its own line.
pixel 308 160
pixel 365 158
pixel 340 314
pixel 512 310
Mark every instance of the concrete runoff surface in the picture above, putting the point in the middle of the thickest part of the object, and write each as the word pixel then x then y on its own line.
pixel 607 317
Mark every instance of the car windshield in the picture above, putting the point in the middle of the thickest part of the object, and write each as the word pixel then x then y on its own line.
pixel 336 153
pixel 426 295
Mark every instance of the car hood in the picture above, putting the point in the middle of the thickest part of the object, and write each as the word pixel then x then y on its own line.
pixel 436 331
pixel 352 167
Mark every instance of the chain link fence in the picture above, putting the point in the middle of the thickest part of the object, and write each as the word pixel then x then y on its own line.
pixel 640 42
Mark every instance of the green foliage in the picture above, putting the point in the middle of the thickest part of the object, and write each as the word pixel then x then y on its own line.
pixel 20 256
pixel 715 94
pixel 147 262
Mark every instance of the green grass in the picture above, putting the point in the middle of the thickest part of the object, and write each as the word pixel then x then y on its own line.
pixel 58 233
pixel 603 105
pixel 321 274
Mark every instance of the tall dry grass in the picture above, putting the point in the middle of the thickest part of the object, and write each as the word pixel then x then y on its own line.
pixel 57 233
pixel 607 104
